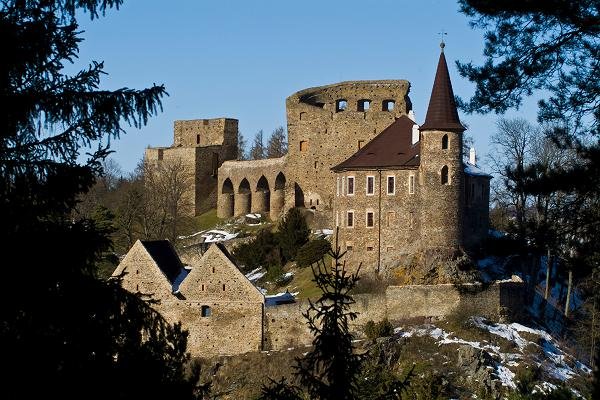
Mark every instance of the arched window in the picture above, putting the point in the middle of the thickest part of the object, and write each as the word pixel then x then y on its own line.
pixel 206 311
pixel 444 142
pixel 444 175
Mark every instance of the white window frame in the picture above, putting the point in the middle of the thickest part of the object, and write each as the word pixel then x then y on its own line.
pixel 353 219
pixel 353 186
pixel 337 186
pixel 343 186
pixel 367 185
pixel 387 185
pixel 411 184
pixel 337 218
pixel 367 218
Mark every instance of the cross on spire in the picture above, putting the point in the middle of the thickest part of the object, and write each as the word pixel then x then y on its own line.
pixel 442 44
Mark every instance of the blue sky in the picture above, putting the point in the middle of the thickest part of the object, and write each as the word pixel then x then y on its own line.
pixel 241 59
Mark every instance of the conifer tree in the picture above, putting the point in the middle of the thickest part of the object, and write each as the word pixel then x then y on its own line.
pixel 65 333
pixel 292 233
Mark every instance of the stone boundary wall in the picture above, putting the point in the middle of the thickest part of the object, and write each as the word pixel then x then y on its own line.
pixel 286 327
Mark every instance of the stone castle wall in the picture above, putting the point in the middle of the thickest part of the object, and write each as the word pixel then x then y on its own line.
pixel 477 209
pixel 286 327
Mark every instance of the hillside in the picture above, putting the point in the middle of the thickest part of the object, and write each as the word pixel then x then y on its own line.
pixel 473 359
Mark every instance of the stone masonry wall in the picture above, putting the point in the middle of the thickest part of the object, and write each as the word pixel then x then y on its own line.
pixel 235 323
pixel 321 136
pixel 442 204
pixel 202 146
pixel 286 327
pixel 205 132
pixel 477 209
pixel 396 218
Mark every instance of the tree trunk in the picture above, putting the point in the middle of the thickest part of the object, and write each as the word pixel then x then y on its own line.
pixel 548 273
pixel 568 302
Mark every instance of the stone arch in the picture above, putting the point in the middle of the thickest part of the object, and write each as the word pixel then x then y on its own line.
pixel 278 196
pixel 226 204
pixel 444 175
pixel 243 201
pixel 298 196
pixel 445 142
pixel 261 202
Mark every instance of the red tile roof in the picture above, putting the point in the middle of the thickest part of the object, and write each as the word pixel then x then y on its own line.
pixel 391 148
pixel 441 113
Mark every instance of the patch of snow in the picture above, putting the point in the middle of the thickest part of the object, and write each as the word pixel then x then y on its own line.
pixel 256 274
pixel 506 376
pixel 287 275
pixel 474 170
pixel 216 235
pixel 190 236
pixel 544 388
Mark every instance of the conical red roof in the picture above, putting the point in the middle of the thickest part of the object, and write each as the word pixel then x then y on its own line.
pixel 441 113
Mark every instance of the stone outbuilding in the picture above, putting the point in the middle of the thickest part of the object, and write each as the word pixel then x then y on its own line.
pixel 213 300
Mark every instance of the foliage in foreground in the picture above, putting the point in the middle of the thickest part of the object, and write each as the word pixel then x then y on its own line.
pixel 65 333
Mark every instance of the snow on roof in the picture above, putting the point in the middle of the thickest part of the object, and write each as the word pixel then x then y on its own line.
pixel 280 298
pixel 474 170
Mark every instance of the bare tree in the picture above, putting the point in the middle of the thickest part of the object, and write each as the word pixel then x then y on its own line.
pixel 257 151
pixel 166 198
pixel 277 144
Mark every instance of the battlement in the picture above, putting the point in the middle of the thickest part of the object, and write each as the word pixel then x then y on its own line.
pixel 205 132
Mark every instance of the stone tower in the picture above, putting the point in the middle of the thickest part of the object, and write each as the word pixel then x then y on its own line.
pixel 441 167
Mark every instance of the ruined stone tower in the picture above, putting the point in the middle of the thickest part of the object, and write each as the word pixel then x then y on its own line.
pixel 441 168
pixel 201 146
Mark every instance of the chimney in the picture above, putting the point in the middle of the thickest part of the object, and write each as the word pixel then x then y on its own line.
pixel 472 156
pixel 415 134
pixel 411 115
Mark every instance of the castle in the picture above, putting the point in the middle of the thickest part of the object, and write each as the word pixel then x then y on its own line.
pixel 358 160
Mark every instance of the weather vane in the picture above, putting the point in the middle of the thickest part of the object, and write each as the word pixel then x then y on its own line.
pixel 442 44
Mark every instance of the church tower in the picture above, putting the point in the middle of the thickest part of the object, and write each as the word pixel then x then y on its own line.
pixel 441 167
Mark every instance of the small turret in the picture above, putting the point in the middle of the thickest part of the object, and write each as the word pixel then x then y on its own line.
pixel 441 168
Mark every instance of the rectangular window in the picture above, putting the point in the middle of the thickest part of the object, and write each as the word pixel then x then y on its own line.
pixel 411 220
pixel 369 247
pixel 303 146
pixel 391 184
pixel 411 184
pixel 350 185
pixel 350 219
pixel 389 248
pixel 370 185
pixel 337 186
pixel 349 246
pixel 370 219
pixel 391 216
pixel 361 143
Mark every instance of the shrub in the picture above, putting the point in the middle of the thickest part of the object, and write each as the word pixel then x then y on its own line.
pixel 312 252
pixel 262 251
pixel 382 328
pixel 293 233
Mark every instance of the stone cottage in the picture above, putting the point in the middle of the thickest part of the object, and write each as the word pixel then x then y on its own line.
pixel 216 304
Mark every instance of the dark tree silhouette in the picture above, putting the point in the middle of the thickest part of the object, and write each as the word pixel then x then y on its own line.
pixel 64 332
